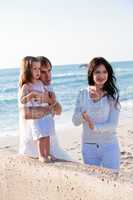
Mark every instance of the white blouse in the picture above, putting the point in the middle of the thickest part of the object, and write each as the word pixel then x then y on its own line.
pixel 104 113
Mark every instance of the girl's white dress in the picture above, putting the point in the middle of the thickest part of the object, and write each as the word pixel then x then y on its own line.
pixel 44 126
pixel 27 145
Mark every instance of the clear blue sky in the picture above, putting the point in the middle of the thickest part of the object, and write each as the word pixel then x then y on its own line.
pixel 66 31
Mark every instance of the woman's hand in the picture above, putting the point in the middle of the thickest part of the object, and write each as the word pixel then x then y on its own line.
pixel 90 124
pixel 93 93
pixel 88 120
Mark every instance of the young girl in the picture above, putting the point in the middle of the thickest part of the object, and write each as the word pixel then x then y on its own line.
pixel 31 93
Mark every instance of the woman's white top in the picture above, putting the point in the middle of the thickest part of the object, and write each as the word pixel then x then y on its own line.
pixel 104 113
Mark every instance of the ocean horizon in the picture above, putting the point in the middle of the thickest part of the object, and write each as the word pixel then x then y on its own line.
pixel 67 81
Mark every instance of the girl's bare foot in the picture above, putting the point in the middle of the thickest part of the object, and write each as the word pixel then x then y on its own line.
pixel 43 159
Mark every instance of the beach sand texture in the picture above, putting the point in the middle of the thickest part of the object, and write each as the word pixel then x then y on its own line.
pixel 26 178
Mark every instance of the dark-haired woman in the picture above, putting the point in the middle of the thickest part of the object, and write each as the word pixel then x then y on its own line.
pixel 97 109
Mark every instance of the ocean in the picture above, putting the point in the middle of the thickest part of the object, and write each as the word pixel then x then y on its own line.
pixel 67 81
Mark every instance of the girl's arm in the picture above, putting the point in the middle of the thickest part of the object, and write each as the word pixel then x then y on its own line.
pixel 25 94
pixel 46 97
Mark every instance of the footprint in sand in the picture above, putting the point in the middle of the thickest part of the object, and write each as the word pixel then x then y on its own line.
pixel 123 152
pixel 130 131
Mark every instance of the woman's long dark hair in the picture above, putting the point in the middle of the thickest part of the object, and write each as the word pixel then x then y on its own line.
pixel 25 70
pixel 110 85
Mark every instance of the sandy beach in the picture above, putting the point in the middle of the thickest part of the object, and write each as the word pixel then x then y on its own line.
pixel 66 180
pixel 70 140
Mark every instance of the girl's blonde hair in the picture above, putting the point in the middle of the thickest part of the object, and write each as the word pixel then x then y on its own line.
pixel 25 70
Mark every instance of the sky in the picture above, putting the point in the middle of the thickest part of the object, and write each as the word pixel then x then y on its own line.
pixel 65 31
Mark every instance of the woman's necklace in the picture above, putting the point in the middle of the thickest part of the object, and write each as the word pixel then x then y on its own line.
pixel 101 94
